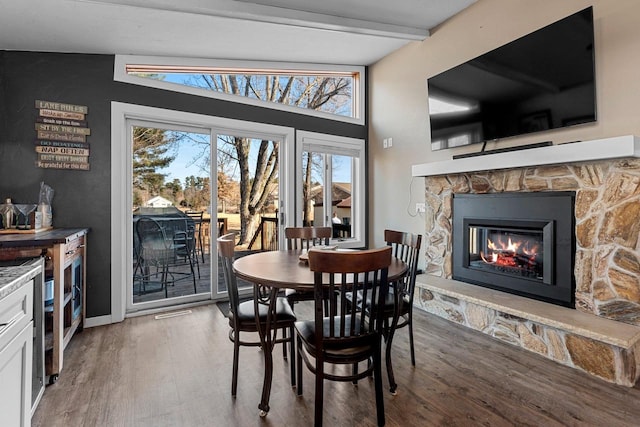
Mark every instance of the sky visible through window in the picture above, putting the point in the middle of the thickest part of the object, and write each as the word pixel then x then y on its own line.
pixel 339 103
pixel 189 154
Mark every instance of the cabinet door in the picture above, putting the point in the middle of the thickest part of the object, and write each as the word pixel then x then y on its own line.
pixel 15 379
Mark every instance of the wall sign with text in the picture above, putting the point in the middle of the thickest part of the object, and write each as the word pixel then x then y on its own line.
pixel 61 136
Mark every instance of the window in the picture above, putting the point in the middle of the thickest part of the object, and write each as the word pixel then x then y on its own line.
pixel 331 191
pixel 333 92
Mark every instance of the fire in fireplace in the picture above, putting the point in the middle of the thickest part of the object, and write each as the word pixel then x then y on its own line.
pixel 522 243
pixel 508 251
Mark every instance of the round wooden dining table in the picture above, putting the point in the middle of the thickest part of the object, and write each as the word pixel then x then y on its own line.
pixel 274 270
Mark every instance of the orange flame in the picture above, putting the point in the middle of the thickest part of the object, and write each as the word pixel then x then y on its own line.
pixel 505 254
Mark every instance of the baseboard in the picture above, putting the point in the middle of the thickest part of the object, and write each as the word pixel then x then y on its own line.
pixel 91 322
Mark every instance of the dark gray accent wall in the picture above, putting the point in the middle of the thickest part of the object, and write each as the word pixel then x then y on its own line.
pixel 83 198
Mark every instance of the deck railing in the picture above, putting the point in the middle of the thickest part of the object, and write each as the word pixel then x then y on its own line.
pixel 268 233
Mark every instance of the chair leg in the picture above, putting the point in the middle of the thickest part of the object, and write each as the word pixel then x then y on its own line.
pixel 201 246
pixel 284 343
pixel 319 400
pixel 193 274
pixel 413 355
pixel 164 279
pixel 194 257
pixel 234 375
pixel 354 372
pixel 392 380
pixel 292 359
pixel 299 366
pixel 377 367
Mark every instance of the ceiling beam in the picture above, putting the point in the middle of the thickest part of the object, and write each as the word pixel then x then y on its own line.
pixel 276 15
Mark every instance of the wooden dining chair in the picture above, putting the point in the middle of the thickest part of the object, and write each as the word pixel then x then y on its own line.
pixel 242 316
pixel 304 238
pixel 399 301
pixel 341 335
pixel 299 238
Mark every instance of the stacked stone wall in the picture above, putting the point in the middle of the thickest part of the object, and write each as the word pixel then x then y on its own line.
pixel 607 217
pixel 608 362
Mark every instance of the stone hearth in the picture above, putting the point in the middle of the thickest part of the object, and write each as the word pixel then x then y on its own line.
pixel 607 261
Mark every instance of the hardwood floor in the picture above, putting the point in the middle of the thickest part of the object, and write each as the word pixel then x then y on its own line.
pixel 177 372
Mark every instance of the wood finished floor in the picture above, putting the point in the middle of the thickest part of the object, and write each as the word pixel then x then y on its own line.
pixel 177 372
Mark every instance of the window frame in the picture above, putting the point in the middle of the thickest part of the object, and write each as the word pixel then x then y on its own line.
pixel 123 61
pixel 122 169
pixel 340 145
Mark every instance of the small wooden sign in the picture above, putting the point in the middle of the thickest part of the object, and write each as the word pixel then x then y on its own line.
pixel 61 114
pixel 61 136
pixel 68 144
pixel 63 165
pixel 59 106
pixel 62 150
pixel 58 136
pixel 66 129
pixel 62 122
pixel 62 158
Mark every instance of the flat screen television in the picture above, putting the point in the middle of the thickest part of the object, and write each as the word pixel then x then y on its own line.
pixel 541 81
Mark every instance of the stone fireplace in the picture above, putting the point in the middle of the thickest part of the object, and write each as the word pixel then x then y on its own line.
pixel 601 335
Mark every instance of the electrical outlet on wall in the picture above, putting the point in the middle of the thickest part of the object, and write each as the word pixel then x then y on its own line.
pixel 421 207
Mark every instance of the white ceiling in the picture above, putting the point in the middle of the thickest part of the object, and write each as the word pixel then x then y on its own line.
pixel 354 32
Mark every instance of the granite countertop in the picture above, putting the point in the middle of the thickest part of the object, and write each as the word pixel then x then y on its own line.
pixel 12 278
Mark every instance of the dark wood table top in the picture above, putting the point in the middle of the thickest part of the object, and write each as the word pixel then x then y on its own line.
pixel 41 239
pixel 284 269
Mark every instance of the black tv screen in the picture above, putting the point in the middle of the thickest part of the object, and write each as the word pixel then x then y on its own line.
pixel 544 80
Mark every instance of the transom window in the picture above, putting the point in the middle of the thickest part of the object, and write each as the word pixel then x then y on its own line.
pixel 327 91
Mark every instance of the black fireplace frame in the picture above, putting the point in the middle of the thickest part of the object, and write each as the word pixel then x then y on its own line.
pixel 552 213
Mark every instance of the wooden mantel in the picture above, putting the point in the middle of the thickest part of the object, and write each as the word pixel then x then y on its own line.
pixel 598 149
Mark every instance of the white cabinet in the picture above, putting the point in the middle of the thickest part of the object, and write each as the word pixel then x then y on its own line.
pixel 16 346
pixel 15 377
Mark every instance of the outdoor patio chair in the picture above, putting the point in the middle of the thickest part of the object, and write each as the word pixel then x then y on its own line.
pixel 162 254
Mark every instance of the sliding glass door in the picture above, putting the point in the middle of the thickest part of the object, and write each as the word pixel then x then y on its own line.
pixel 179 180
pixel 248 194
pixel 171 212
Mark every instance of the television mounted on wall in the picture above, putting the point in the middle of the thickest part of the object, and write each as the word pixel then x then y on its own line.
pixel 544 80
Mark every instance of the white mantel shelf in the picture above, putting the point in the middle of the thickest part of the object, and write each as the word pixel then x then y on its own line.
pixel 598 149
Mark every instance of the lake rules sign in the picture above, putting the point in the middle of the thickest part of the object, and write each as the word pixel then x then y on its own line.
pixel 61 136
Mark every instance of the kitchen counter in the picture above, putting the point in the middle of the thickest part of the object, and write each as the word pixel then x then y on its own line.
pixel 17 364
pixel 64 250
pixel 41 239
pixel 12 278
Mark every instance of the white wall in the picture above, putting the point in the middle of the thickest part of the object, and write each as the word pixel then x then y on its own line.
pixel 398 93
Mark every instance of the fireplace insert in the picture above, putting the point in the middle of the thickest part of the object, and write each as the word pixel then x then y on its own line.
pixel 521 243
